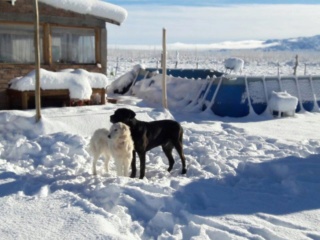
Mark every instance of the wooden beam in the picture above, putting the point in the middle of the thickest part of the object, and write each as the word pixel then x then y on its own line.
pixel 47 48
pixel 86 21
pixel 37 60
pixel 24 96
pixel 164 69
pixel 10 1
pixel 98 45
pixel 104 50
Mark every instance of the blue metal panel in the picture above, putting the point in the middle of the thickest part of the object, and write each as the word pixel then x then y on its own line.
pixel 189 73
pixel 316 88
pixel 230 100
pixel 257 94
pixel 307 98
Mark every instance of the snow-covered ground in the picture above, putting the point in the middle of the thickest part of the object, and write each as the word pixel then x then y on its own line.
pixel 256 177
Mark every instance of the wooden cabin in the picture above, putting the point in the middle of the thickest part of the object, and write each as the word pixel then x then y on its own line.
pixel 69 39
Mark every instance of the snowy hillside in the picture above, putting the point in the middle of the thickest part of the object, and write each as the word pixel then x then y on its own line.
pixel 294 44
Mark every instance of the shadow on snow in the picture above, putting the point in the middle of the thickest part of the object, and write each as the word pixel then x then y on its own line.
pixel 276 187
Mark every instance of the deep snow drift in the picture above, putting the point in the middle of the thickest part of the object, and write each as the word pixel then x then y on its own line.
pixel 248 178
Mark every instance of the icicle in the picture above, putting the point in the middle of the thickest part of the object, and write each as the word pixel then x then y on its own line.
pixel 251 111
pixel 299 95
pixel 195 101
pixel 315 104
pixel 214 95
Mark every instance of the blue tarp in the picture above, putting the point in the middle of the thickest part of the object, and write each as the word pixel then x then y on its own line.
pixel 230 100
pixel 189 73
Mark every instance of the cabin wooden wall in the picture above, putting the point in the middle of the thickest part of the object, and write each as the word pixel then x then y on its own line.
pixel 23 13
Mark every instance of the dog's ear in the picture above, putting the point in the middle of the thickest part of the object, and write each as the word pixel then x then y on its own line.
pixel 132 114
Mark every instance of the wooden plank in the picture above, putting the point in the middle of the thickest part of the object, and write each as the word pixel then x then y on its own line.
pixel 47 50
pixel 87 21
pixel 9 1
pixel 97 45
pixel 24 96
pixel 24 100
pixel 104 50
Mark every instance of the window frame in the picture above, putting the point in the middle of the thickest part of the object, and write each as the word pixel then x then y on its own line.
pixel 95 45
pixel 30 26
pixel 46 43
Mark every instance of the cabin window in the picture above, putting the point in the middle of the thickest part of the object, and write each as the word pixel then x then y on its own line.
pixel 73 45
pixel 17 44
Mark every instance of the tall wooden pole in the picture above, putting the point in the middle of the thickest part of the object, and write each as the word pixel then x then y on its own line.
pixel 164 69
pixel 37 60
pixel 295 66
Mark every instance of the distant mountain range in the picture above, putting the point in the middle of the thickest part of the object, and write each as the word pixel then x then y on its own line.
pixel 289 44
pixel 293 44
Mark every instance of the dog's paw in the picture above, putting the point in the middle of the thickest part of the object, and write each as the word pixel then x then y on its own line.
pixel 184 171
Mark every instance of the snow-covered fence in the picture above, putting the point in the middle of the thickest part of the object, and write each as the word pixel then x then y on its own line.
pixel 215 92
pixel 251 95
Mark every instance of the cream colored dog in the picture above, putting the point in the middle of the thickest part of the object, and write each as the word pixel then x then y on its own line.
pixel 100 146
pixel 121 147
pixel 116 143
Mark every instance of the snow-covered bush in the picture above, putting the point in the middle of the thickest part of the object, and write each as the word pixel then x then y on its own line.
pixel 234 64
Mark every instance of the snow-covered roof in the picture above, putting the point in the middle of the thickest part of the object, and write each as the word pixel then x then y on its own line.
pixel 95 8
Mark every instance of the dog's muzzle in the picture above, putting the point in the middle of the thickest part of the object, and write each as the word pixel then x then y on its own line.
pixel 109 136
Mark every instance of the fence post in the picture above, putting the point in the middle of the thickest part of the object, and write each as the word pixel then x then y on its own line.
pixel 164 70
pixel 296 66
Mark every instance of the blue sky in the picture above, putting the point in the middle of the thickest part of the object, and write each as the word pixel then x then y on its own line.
pixel 207 22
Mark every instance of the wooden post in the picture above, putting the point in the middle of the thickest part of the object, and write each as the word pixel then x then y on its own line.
pixel 37 60
pixel 296 66
pixel 305 69
pixel 47 42
pixel 164 70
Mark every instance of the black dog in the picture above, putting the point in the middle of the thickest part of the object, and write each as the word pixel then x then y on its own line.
pixel 148 135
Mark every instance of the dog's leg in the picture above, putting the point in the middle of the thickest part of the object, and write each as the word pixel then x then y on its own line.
pixel 133 165
pixel 106 162
pixel 126 170
pixel 119 167
pixel 182 157
pixel 126 165
pixel 167 149
pixel 142 157
pixel 179 147
pixel 94 164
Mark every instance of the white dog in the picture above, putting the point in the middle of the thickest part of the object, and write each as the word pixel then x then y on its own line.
pixel 121 147
pixel 100 145
pixel 116 143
